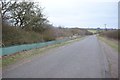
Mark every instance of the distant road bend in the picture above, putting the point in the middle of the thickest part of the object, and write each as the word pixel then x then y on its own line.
pixel 82 59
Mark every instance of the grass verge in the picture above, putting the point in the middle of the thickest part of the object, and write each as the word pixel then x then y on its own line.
pixel 7 60
pixel 93 31
pixel 111 42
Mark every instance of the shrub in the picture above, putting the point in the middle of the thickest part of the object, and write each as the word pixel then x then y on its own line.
pixel 114 34
pixel 16 36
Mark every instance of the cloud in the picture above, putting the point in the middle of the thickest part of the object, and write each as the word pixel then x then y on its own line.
pixel 82 13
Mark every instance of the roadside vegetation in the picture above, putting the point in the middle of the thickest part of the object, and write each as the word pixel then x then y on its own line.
pixel 24 23
pixel 113 43
pixel 113 34
pixel 112 38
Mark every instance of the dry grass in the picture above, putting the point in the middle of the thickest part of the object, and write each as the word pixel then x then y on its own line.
pixel 112 42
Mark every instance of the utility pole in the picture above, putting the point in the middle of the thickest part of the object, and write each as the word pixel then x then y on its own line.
pixel 105 27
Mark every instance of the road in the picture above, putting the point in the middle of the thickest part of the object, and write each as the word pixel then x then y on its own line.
pixel 82 59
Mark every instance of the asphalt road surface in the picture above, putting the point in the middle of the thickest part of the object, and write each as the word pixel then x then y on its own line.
pixel 82 59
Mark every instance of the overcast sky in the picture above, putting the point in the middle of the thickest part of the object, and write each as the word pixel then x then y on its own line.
pixel 81 13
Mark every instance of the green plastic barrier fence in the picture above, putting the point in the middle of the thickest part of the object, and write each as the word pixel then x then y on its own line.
pixel 19 48
pixel 0 51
